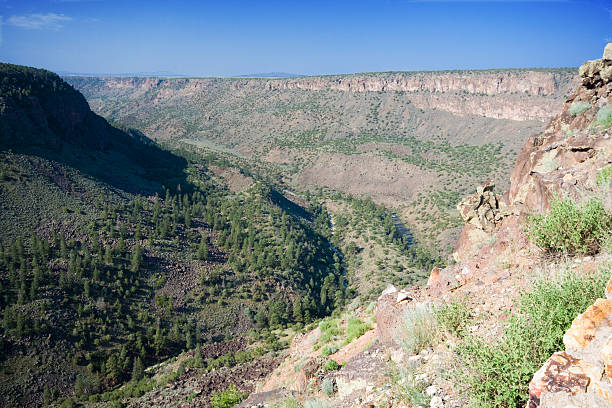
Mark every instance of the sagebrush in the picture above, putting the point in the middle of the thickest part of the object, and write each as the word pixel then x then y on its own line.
pixel 570 227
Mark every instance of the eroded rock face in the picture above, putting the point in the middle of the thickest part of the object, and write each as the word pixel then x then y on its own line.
pixel 388 312
pixel 567 156
pixel 502 95
pixel 481 211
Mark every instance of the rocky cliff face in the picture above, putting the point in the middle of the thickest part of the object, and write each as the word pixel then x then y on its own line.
pixel 516 94
pixel 567 158
pixel 504 94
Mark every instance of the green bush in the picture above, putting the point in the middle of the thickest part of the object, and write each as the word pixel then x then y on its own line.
pixel 578 108
pixel 331 365
pixel 604 116
pixel 228 398
pixel 420 328
pixel 355 328
pixel 498 373
pixel 571 228
pixel 454 317
pixel 327 387
pixel 329 350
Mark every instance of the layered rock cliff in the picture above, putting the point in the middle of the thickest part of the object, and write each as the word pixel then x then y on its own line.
pixel 500 94
pixel 508 94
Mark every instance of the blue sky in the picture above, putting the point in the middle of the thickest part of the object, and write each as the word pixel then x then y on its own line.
pixel 205 38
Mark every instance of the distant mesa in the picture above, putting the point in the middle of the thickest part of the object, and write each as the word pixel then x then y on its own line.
pixel 271 75
pixel 165 74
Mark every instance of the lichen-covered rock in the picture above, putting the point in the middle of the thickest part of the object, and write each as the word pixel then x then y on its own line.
pixel 590 68
pixel 580 375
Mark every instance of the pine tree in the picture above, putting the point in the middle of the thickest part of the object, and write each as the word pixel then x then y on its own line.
pixel 46 396
pixel 137 369
pixel 203 249
pixel 136 258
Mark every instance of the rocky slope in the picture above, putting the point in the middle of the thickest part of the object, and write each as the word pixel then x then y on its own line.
pixel 496 260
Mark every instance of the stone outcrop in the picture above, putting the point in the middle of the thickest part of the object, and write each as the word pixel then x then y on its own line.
pixel 481 211
pixel 388 319
pixel 581 375
pixel 570 151
pixel 567 159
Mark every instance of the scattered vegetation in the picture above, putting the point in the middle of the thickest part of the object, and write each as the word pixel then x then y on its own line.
pixel 498 373
pixel 408 387
pixel 227 398
pixel 603 177
pixel 453 317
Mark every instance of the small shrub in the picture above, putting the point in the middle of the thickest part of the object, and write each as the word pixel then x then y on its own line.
pixel 409 389
pixel 454 317
pixel 329 350
pixel 355 328
pixel 228 398
pixel 327 387
pixel 578 108
pixel 292 403
pixel 329 329
pixel 571 228
pixel 498 373
pixel 603 177
pixel 331 365
pixel 420 328
pixel 604 116
pixel 316 403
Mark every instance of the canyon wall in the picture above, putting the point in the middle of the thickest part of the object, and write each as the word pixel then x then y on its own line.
pixel 499 94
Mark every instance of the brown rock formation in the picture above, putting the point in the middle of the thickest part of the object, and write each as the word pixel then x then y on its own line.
pixel 569 154
pixel 481 212
pixel 570 151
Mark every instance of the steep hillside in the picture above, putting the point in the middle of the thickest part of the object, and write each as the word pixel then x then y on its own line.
pixel 116 255
pixel 414 142
pixel 530 282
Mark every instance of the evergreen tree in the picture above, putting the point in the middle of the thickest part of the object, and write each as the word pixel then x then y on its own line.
pixel 203 249
pixel 137 369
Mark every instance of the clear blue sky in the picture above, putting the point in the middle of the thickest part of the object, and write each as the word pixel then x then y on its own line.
pixel 310 37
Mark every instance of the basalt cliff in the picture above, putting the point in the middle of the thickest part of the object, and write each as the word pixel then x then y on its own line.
pixel 513 94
